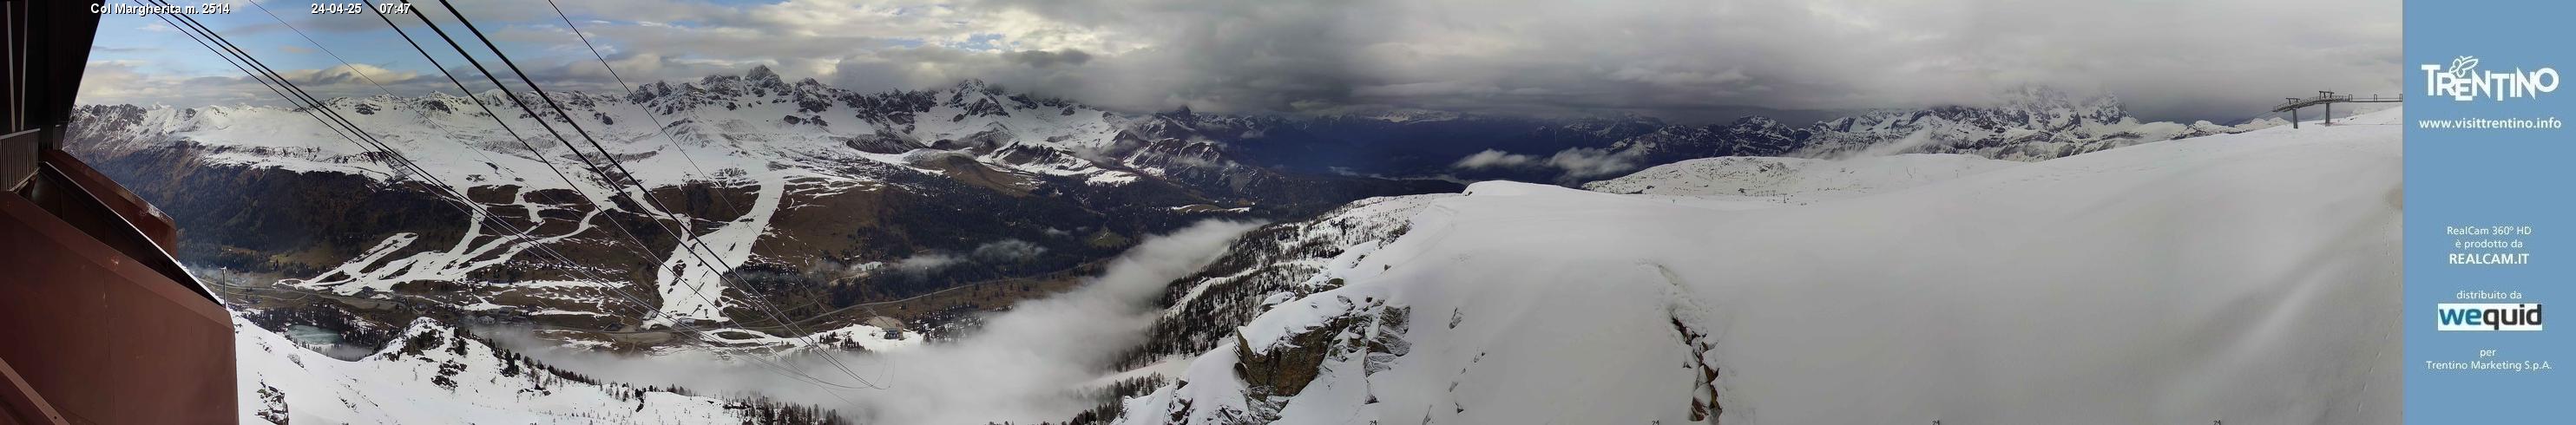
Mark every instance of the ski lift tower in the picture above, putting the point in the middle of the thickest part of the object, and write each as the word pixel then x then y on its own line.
pixel 2326 99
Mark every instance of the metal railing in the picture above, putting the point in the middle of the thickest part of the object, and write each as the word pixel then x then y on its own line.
pixel 2321 98
pixel 2327 98
pixel 2295 103
pixel 18 159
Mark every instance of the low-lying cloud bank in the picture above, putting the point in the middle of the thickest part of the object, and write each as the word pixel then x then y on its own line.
pixel 1576 163
pixel 1025 365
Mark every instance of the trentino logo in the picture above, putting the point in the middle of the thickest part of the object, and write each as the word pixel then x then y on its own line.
pixel 2464 82
pixel 2489 317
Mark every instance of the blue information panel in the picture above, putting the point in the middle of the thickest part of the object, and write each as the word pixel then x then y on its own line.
pixel 2490 211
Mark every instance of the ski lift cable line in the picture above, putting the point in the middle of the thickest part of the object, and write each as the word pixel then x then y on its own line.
pixel 318 105
pixel 758 301
pixel 396 156
pixel 688 238
pixel 326 123
pixel 540 155
pixel 389 157
pixel 466 92
pixel 585 159
pixel 688 241
pixel 344 62
pixel 641 249
pixel 520 235
pixel 658 127
pixel 697 250
pixel 294 93
pixel 697 291
pixel 392 158
pixel 611 179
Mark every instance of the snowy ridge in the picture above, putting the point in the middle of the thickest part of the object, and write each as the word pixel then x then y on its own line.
pixel 1795 180
pixel 433 373
pixel 1358 226
pixel 751 131
pixel 1268 266
pixel 2029 124
pixel 2211 278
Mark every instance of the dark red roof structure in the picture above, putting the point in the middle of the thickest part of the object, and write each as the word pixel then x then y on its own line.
pixel 98 323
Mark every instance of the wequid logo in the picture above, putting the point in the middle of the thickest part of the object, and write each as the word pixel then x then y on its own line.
pixel 2488 317
pixel 2462 81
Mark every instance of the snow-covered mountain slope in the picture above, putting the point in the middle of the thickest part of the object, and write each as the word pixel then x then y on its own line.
pixel 790 177
pixel 753 136
pixel 827 197
pixel 732 130
pixel 1795 180
pixel 2027 124
pixel 1269 265
pixel 436 374
pixel 2245 278
pixel 723 128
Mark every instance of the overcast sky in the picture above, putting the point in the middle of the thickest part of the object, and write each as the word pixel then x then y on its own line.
pixel 1682 60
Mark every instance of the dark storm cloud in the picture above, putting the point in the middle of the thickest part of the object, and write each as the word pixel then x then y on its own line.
pixel 1683 60
pixel 1042 58
pixel 1220 56
pixel 2167 59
